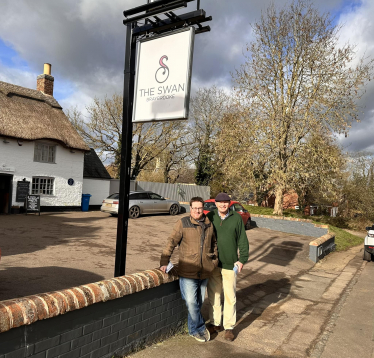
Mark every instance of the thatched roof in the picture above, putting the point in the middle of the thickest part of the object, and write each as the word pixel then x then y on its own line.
pixel 30 115
pixel 94 167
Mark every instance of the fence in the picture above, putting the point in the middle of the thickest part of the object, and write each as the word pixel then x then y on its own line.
pixel 179 192
pixel 114 186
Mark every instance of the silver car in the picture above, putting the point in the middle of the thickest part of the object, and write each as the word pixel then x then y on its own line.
pixel 141 202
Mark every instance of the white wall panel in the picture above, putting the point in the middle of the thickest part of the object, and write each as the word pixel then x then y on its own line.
pixel 98 188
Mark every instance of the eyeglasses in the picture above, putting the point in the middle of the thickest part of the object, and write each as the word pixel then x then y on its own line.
pixel 197 209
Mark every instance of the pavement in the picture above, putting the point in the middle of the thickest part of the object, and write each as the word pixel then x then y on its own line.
pixel 325 311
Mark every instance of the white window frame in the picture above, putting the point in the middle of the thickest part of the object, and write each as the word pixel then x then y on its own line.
pixel 47 153
pixel 43 186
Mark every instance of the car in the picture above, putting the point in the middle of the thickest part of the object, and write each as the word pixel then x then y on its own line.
pixel 210 205
pixel 369 244
pixel 141 202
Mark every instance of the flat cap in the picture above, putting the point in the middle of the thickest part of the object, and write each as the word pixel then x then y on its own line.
pixel 222 197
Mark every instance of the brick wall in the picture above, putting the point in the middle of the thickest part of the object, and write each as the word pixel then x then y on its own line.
pixel 104 319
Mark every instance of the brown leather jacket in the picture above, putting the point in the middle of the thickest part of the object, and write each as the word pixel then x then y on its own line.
pixel 198 254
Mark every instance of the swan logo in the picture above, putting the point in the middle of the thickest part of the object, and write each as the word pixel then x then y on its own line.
pixel 162 73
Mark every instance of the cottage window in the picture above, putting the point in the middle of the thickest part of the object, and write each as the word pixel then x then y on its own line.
pixel 44 153
pixel 42 185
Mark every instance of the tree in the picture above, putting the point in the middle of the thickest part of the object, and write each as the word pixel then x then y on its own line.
pixel 101 129
pixel 358 190
pixel 296 81
pixel 319 180
pixel 207 109
pixel 151 140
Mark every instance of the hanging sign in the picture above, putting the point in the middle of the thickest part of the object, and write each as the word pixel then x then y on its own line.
pixel 163 77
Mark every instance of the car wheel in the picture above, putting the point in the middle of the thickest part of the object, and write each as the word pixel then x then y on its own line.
pixel 134 212
pixel 174 209
pixel 248 224
pixel 367 255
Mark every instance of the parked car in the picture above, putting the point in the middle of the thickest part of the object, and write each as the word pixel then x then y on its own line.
pixel 141 202
pixel 369 244
pixel 210 205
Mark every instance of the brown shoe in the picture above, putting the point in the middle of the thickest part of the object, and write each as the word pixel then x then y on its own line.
pixel 213 329
pixel 229 335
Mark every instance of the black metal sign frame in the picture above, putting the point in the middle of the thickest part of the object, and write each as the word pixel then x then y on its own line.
pixel 153 25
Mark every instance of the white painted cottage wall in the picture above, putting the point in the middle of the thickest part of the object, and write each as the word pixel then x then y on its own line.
pixel 98 188
pixel 68 165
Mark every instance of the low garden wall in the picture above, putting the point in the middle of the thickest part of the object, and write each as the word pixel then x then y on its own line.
pixel 290 225
pixel 109 318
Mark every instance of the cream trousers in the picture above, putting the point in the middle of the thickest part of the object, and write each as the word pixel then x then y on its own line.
pixel 226 279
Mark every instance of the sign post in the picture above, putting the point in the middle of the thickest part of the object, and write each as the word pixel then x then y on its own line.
pixel 162 83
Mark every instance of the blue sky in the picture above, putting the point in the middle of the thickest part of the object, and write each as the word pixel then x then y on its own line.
pixel 84 41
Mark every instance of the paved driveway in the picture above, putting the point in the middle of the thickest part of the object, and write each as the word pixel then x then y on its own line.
pixel 60 250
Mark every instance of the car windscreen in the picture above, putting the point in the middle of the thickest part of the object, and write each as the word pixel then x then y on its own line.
pixel 210 206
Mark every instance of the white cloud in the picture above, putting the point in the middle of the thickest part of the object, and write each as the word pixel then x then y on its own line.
pixel 358 30
pixel 17 76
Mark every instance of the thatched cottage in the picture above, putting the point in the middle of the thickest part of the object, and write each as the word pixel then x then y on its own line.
pixel 39 146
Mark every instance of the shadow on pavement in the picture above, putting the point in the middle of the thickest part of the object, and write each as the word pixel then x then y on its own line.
pixel 282 254
pixel 24 281
pixel 270 290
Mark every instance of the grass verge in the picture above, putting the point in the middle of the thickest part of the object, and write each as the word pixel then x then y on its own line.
pixel 343 239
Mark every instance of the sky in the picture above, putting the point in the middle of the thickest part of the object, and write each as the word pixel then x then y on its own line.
pixel 84 40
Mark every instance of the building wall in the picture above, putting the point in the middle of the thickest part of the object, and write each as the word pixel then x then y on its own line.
pixel 98 188
pixel 68 165
pixel 290 200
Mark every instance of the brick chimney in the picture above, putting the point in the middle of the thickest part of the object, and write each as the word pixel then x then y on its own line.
pixel 44 82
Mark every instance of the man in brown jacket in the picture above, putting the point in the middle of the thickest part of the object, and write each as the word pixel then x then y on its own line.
pixel 198 257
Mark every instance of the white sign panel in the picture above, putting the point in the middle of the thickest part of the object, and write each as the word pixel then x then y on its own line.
pixel 163 77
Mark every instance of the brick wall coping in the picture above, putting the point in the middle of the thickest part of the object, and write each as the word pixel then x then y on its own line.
pixel 289 219
pixel 321 240
pixel 27 310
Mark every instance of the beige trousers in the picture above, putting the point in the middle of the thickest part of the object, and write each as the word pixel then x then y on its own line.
pixel 225 279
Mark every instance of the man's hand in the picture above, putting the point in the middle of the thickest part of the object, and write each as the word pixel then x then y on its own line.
pixel 240 265
pixel 163 268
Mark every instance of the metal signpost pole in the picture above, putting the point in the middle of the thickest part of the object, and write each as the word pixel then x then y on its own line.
pixel 156 26
pixel 126 146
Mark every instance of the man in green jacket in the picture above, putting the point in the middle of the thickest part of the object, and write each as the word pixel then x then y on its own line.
pixel 231 236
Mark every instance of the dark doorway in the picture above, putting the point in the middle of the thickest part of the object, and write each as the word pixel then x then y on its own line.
pixel 5 193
